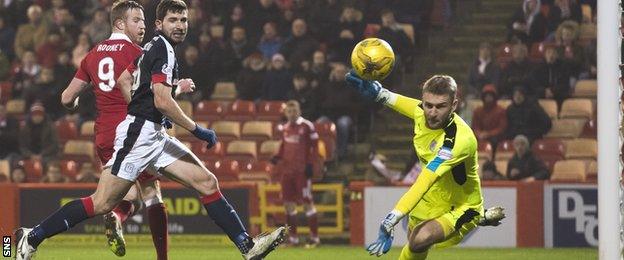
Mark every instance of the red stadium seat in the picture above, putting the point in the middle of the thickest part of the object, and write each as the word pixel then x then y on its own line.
pixel 504 150
pixel 551 148
pixel 66 130
pixel 226 169
pixel 33 169
pixel 503 56
pixel 590 130
pixel 207 110
pixel 257 171
pixel 270 110
pixel 327 133
pixel 241 110
pixel 203 153
pixel 69 168
pixel 485 150
pixel 6 90
pixel 537 50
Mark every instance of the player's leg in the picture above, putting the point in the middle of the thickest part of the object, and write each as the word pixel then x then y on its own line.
pixel 109 192
pixel 114 219
pixel 421 238
pixel 188 171
pixel 310 212
pixel 157 216
pixel 289 198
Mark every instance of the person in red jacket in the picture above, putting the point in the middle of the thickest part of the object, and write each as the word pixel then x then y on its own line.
pixel 294 162
pixel 489 121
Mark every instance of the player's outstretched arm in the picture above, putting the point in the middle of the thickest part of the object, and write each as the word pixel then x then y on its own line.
pixel 374 91
pixel 69 97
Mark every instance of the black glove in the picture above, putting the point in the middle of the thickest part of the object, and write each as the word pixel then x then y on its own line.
pixel 205 134
pixel 309 170
pixel 275 159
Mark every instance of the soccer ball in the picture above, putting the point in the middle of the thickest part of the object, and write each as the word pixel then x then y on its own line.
pixel 372 59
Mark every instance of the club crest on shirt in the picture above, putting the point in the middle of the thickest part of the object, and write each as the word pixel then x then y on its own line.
pixel 445 153
pixel 166 69
pixel 432 145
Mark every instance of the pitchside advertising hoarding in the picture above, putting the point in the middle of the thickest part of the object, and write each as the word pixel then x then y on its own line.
pixel 186 214
pixel 571 215
pixel 378 201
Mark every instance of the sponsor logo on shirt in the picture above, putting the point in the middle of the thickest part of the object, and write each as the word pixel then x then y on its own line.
pixel 445 153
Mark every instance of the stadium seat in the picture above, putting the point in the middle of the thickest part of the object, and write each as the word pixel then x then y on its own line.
pixel 581 148
pixel 187 107
pixel 577 108
pixel 257 171
pixel 586 89
pixel 207 110
pixel 87 130
pixel 227 130
pixel 327 133
pixel 504 150
pixel 224 91
pixel 69 168
pixel 588 32
pixel 79 150
pixel 503 55
pixel 537 50
pixel 225 169
pixel 270 110
pixel 241 110
pixel 5 168
pixel 504 103
pixel 33 169
pixel 590 130
pixel 241 150
pixel 550 107
pixel 268 149
pixel 16 107
pixel 200 149
pixel 592 169
pixel 566 128
pixel 485 150
pixel 6 90
pixel 569 170
pixel 66 130
pixel 474 104
pixel 257 130
pixel 551 148
pixel 501 166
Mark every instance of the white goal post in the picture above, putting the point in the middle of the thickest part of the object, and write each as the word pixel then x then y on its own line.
pixel 609 119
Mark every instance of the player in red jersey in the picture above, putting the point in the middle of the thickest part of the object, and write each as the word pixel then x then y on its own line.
pixel 294 161
pixel 102 67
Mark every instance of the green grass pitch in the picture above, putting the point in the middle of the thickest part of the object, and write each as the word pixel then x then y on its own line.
pixel 143 252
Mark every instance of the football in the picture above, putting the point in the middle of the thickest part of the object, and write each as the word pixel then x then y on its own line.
pixel 372 59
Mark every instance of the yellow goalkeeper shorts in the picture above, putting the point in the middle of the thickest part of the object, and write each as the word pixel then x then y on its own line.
pixel 456 223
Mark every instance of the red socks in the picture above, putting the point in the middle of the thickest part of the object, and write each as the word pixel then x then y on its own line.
pixel 158 225
pixel 291 221
pixel 313 223
pixel 123 210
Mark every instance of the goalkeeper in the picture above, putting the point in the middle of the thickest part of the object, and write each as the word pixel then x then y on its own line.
pixel 445 202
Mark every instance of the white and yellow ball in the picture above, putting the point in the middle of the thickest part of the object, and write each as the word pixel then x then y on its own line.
pixel 372 59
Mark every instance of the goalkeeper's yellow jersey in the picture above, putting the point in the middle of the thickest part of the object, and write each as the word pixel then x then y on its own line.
pixel 450 153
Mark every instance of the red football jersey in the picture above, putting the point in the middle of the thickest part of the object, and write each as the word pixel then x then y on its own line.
pixel 102 67
pixel 299 146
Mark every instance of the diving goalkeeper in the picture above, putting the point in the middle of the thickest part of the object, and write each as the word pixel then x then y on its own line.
pixel 445 202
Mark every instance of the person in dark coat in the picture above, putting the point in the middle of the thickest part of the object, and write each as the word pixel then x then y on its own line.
pixel 278 80
pixel 526 117
pixel 524 165
pixel 249 83
pixel 300 45
pixel 38 137
pixel 552 78
pixel 484 70
pixel 517 73
pixel 308 97
pixel 528 24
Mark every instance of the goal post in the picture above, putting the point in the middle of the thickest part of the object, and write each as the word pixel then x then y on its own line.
pixel 609 119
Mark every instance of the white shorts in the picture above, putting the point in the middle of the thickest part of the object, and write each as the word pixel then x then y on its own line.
pixel 140 144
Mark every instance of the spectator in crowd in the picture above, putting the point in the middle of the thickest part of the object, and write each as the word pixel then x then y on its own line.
pixel 211 58
pixel 191 68
pixel 236 50
pixel 66 25
pixel 63 70
pixel 564 10
pixel 5 66
pixel 308 97
pixel 592 60
pixel 340 105
pixel 517 73
pixel 51 12
pixel 318 69
pixel 262 12
pixel 324 16
pixel 38 138
pixel 53 174
pixel 237 18
pixel 552 78
pixel 87 174
pixel 7 38
pixel 527 24
pixel 49 50
pixel 524 165
pixel 569 49
pixel 351 19
pixel 18 175
pixel 489 122
pixel 300 45
pixel 25 74
pixel 270 42
pixel 42 89
pixel 526 117
pixel 490 173
pixel 341 47
pixel 407 176
pixel 484 70
pixel 98 29
pixel 81 49
pixel 31 35
pixel 278 80
pixel 9 132
pixel 249 83
pixel 392 32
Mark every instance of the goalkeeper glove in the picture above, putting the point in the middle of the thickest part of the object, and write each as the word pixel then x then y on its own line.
pixel 384 240
pixel 371 90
